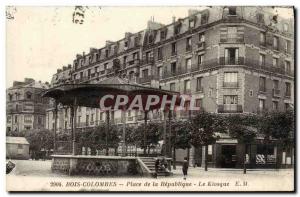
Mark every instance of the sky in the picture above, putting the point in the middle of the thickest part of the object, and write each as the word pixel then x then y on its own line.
pixel 39 40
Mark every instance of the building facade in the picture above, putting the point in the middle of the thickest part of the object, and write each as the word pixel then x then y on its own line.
pixel 233 59
pixel 25 108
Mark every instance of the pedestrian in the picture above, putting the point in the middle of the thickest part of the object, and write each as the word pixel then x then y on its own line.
pixel 185 167
pixel 156 167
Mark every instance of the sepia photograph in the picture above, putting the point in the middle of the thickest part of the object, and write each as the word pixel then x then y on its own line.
pixel 150 98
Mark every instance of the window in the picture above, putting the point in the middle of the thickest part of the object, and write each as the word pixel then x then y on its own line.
pixel 87 120
pixel 27 118
pixel 126 44
pixel 159 53
pixel 202 37
pixel 275 105
pixel 204 18
pixel 230 99
pixel 145 73
pixel 172 86
pixel 66 124
pixel 275 43
pixel 163 34
pixel 232 34
pixel 262 104
pixel 10 96
pixel 106 53
pixel 188 64
pixel 287 66
pixel 20 146
pixel 199 103
pixel 28 95
pixel 200 60
pixel 199 84
pixel 262 59
pixel 187 86
pixel 135 56
pixel 287 89
pixel 8 119
pixel 260 18
pixel 177 29
pixel 89 73
pixel 232 11
pixel 40 120
pixel 262 84
pixel 288 46
pixel 79 119
pixel 124 59
pixel 160 71
pixel 92 117
pixel 16 119
pixel 191 23
pixel 105 66
pixel 287 106
pixel 231 56
pixel 173 68
pixel 275 62
pixel 81 75
pixel 189 44
pixel 263 38
pixel 276 84
pixel 174 48
pixel 230 102
pixel 230 79
pixel 136 41
pixel 148 56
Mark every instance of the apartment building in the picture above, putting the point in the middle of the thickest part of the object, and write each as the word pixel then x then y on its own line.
pixel 25 108
pixel 233 59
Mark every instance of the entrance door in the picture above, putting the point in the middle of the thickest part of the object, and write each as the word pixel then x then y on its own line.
pixel 228 159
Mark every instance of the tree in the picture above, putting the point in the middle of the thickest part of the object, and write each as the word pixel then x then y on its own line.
pixel 38 140
pixel 136 135
pixel 205 127
pixel 280 126
pixel 180 136
pixel 242 127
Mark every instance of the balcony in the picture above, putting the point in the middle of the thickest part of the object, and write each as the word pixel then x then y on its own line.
pixel 232 40
pixel 287 94
pixel 276 92
pixel 199 89
pixel 230 84
pixel 231 61
pixel 178 71
pixel 148 61
pixel 132 63
pixel 230 108
pixel 201 46
pixel 262 89
pixel 145 79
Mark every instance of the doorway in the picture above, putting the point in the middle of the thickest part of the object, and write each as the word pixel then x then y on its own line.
pixel 228 156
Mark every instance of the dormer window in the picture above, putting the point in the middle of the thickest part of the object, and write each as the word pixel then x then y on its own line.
pixel 191 23
pixel 204 18
pixel 260 18
pixel 232 11
pixel 163 34
pixel 177 29
pixel 126 44
pixel 28 95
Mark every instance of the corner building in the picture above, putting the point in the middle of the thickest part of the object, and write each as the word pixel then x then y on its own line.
pixel 233 59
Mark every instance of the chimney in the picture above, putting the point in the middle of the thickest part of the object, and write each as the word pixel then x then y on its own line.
pixel 28 80
pixel 173 19
pixel 78 56
pixel 69 66
pixel 58 70
pixel 128 34
pixel 64 68
pixel 93 50
pixel 83 53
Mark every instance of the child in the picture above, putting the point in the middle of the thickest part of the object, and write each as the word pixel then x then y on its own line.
pixel 185 167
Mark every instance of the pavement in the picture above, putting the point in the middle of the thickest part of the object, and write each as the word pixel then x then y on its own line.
pixel 40 177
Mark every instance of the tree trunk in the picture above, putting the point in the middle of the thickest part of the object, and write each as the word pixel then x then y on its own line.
pixel 245 158
pixel 174 157
pixel 206 154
